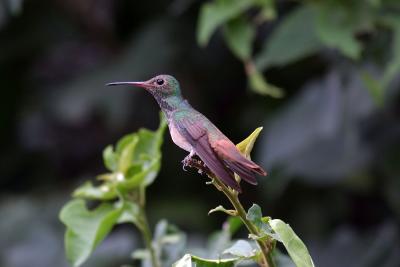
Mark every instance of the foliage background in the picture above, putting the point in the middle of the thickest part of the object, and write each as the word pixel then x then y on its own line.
pixel 331 145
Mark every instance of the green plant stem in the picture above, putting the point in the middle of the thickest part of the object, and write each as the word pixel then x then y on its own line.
pixel 143 226
pixel 147 237
pixel 233 197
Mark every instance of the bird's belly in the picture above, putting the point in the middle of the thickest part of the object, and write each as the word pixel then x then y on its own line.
pixel 178 139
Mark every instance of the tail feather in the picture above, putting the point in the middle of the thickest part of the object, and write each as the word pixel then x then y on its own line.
pixel 207 155
pixel 252 166
pixel 234 159
pixel 245 173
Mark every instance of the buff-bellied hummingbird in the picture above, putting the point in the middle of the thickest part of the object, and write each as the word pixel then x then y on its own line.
pixel 193 132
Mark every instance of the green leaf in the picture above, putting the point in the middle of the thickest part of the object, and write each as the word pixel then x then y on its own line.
pixel 150 141
pixel 246 146
pixel 191 260
pixel 222 209
pixel 241 249
pixel 169 242
pixel 143 178
pixel 336 26
pixel 86 229
pixel 126 152
pixel 214 14
pixel 138 161
pixel 293 39
pixel 130 213
pixel 148 152
pixel 166 233
pixel 254 215
pixel 148 146
pixel 239 35
pixel 110 158
pixel 293 244
pixel 88 191
pixel 123 142
pixel 259 85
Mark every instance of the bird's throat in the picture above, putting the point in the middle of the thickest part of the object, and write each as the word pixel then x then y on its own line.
pixel 170 103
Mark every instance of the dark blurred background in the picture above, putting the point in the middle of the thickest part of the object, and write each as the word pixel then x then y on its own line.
pixel 332 153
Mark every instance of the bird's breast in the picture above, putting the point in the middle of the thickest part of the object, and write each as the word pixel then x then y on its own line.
pixel 177 138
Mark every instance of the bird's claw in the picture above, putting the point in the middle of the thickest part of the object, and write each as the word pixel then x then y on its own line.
pixel 186 161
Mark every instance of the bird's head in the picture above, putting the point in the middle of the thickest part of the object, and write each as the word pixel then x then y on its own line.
pixel 160 85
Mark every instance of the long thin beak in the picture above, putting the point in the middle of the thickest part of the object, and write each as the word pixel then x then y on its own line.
pixel 138 84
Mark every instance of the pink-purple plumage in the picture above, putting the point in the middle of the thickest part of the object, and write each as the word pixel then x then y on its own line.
pixel 193 132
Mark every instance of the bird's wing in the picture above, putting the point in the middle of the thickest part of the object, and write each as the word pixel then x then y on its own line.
pixel 244 167
pixel 196 134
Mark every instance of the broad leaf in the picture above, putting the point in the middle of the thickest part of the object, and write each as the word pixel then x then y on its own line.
pixel 293 244
pixel 254 215
pixel 110 158
pixel 336 26
pixel 135 162
pixel 293 39
pixel 130 213
pixel 220 240
pixel 239 35
pixel 246 146
pixel 150 141
pixel 169 242
pixel 148 150
pixel 191 260
pixel 214 14
pixel 222 209
pixel 85 228
pixel 89 191
pixel 259 85
pixel 241 249
pixel 126 153
pixel 124 142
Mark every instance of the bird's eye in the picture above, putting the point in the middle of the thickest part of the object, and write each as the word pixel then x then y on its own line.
pixel 160 81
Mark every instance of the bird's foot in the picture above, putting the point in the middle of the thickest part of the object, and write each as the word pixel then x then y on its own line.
pixel 195 163
pixel 187 160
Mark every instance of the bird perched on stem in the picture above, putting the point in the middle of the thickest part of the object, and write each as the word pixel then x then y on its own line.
pixel 193 132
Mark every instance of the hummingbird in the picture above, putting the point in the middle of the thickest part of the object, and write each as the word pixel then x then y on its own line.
pixel 193 132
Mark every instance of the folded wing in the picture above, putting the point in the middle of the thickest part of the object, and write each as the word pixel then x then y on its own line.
pixel 231 156
pixel 219 154
pixel 198 138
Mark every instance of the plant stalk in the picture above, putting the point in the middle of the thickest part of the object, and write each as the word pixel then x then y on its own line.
pixel 266 260
pixel 232 195
pixel 147 237
pixel 144 228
